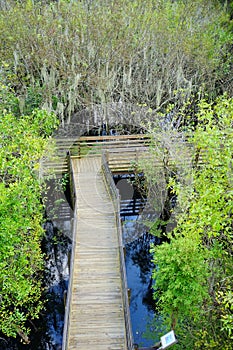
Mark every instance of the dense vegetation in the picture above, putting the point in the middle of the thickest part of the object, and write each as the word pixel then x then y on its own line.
pixel 70 55
pixel 193 275
pixel 163 57
pixel 22 143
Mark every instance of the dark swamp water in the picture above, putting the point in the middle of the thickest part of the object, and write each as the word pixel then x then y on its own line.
pixel 47 331
pixel 138 269
pixel 138 262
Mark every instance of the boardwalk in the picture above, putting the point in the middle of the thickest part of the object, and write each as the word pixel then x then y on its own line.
pixel 122 151
pixel 96 313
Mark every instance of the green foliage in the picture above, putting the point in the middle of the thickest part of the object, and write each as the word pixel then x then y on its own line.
pixel 181 275
pixel 225 302
pixel 21 214
pixel 193 274
pixel 8 101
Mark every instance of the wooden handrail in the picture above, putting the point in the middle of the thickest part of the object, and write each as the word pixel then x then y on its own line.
pixel 114 138
pixel 69 293
pixel 114 193
pixel 71 179
pixel 95 145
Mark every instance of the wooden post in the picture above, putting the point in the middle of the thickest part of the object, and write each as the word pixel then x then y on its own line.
pixel 129 295
pixel 134 206
pixel 65 297
pixel 124 250
pixel 137 152
pixel 107 155
pixel 79 149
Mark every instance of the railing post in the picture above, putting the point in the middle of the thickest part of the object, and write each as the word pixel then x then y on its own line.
pixel 137 153
pixel 71 181
pixel 129 295
pixel 79 149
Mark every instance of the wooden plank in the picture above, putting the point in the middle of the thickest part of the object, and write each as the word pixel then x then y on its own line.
pixel 109 137
pixel 96 313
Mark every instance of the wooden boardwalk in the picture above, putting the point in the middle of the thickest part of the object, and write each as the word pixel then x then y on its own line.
pixel 122 151
pixel 96 317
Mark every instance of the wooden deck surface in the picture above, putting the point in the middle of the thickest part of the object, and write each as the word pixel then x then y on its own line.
pixel 96 315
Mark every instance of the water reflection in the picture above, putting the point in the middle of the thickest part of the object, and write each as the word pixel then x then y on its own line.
pixel 47 331
pixel 47 334
pixel 139 270
pixel 138 258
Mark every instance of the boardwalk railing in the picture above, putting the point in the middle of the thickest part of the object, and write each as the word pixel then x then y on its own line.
pixel 69 293
pixel 122 150
pixel 114 193
pixel 95 145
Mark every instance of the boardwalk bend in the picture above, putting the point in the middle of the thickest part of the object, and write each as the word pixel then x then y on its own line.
pixel 97 309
